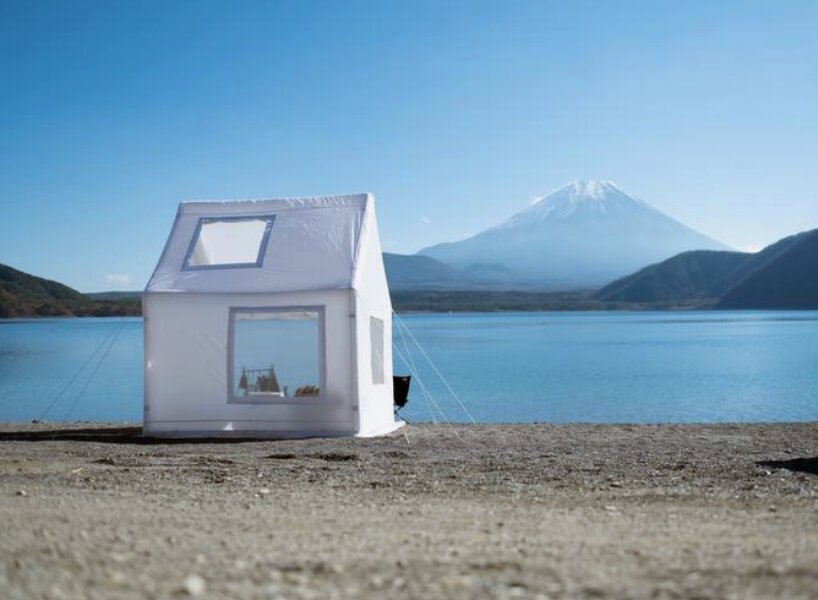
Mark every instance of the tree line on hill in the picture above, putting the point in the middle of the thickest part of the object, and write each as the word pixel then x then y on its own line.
pixel 24 295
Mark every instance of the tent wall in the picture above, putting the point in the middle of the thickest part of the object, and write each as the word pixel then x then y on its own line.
pixel 186 368
pixel 227 270
pixel 372 300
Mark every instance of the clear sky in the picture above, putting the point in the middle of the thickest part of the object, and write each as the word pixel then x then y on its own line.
pixel 455 114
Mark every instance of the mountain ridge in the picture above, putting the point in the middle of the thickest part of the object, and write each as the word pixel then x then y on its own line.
pixel 693 276
pixel 411 271
pixel 782 275
pixel 581 236
pixel 788 279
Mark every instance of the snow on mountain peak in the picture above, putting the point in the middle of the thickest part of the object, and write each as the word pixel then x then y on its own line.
pixel 580 189
pixel 592 189
pixel 578 197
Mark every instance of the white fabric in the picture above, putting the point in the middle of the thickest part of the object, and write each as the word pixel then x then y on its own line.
pixel 376 349
pixel 312 246
pixel 187 376
pixel 322 255
pixel 372 300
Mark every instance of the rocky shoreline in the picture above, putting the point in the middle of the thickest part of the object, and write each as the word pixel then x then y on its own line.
pixel 495 511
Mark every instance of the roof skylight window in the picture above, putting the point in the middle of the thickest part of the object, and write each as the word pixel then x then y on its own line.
pixel 229 242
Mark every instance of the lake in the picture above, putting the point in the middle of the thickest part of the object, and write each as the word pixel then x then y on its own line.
pixel 509 367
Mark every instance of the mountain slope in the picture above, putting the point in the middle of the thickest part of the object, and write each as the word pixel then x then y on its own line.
pixel 580 236
pixel 787 280
pixel 782 275
pixel 421 272
pixel 689 277
pixel 31 288
pixel 24 295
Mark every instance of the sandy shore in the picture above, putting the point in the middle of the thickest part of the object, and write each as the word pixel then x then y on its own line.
pixel 532 511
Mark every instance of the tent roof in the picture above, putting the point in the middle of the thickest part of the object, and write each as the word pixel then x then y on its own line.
pixel 277 245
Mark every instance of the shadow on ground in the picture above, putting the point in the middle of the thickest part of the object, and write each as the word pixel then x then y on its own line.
pixel 113 435
pixel 800 465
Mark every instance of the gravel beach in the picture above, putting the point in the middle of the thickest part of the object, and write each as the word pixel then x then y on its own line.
pixel 485 511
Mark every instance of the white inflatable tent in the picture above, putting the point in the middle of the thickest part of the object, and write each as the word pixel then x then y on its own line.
pixel 270 318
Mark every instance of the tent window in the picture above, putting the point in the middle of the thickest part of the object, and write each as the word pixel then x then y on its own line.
pixel 376 345
pixel 276 355
pixel 229 242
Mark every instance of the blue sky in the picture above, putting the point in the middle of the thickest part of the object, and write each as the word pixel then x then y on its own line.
pixel 455 114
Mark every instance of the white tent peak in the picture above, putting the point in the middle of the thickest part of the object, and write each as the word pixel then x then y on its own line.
pixel 321 235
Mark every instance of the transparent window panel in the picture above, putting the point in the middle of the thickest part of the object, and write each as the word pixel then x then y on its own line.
pixel 276 355
pixel 229 242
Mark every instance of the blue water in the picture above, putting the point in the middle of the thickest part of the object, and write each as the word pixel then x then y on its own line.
pixel 558 367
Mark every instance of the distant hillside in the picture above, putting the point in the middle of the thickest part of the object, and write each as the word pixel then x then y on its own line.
pixel 783 275
pixel 690 277
pixel 788 280
pixel 422 272
pixel 24 295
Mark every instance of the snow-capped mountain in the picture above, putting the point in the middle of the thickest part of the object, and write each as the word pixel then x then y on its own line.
pixel 583 235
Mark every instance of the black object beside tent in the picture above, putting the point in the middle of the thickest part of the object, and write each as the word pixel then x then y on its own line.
pixel 400 389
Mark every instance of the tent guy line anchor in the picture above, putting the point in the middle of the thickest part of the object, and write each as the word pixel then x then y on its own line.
pixel 405 331
pixel 430 401
pixel 96 368
pixel 76 374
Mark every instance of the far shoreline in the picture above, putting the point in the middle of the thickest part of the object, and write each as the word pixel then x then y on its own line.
pixel 465 311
